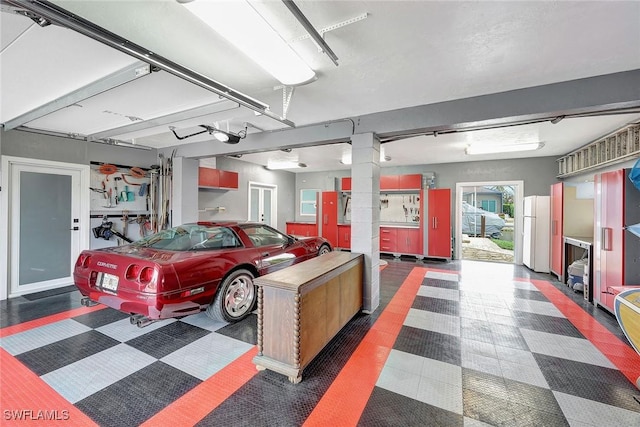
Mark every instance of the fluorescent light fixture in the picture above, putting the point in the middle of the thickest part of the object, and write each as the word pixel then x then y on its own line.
pixel 511 148
pixel 346 158
pixel 239 23
pixel 275 165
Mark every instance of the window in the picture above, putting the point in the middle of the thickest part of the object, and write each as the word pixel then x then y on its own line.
pixel 308 202
pixel 489 205
pixel 262 235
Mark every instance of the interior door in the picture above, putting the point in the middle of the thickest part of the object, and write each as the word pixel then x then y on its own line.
pixel 262 204
pixel 47 225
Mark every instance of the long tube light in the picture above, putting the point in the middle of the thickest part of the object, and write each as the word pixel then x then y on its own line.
pixel 494 149
pixel 240 23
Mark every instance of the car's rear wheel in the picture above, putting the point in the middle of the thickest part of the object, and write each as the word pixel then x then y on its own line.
pixel 235 298
pixel 324 249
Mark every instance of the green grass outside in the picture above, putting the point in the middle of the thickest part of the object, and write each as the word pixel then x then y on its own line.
pixel 504 244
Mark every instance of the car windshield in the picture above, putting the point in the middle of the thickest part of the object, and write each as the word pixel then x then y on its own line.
pixel 190 237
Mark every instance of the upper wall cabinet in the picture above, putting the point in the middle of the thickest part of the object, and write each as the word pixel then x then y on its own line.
pixel 392 182
pixel 216 178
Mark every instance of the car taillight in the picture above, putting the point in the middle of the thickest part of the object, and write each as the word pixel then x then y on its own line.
pixel 147 275
pixel 83 260
pixel 132 272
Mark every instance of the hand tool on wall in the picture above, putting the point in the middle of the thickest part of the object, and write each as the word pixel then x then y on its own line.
pixel 117 178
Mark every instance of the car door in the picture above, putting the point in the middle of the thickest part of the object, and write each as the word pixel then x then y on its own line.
pixel 276 249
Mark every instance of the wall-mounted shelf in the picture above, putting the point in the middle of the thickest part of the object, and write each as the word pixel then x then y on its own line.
pixel 214 209
pixel 619 146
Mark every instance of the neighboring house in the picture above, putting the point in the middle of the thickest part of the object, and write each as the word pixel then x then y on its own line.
pixel 485 198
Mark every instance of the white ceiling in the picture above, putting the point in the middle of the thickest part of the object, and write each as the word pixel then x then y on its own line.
pixel 404 54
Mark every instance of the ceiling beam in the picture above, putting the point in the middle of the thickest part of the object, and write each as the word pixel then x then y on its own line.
pixel 601 94
pixel 115 79
pixel 204 110
pixel 60 16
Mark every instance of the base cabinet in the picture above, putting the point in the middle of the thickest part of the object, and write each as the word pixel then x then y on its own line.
pixel 302 307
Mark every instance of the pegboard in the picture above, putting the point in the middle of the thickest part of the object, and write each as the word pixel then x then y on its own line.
pixel 121 184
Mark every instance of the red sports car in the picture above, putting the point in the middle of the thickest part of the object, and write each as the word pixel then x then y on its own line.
pixel 186 269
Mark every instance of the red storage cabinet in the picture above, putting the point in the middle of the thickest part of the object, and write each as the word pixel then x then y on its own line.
pixel 302 229
pixel 346 184
pixel 344 236
pixel 438 224
pixel 389 182
pixel 410 182
pixel 327 217
pixel 616 249
pixel 408 241
pixel 388 239
pixel 216 178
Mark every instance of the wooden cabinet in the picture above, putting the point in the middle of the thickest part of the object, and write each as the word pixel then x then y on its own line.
pixel 616 250
pixel 302 229
pixel 437 227
pixel 301 308
pixel 216 178
pixel 344 236
pixel 557 209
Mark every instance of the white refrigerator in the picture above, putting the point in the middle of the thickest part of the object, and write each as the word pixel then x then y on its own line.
pixel 536 235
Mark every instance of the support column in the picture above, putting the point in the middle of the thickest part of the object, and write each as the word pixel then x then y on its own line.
pixel 184 194
pixel 365 213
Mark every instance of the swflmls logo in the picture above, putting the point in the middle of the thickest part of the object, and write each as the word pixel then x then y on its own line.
pixel 106 264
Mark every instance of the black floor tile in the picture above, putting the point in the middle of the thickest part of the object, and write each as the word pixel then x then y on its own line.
pixel 440 283
pixel 528 294
pixel 548 324
pixel 167 339
pixel 136 398
pixel 386 408
pixel 589 382
pixel 61 353
pixel 51 292
pixel 434 345
pixel 245 330
pixel 436 305
pixel 508 336
pixel 19 310
pixel 99 318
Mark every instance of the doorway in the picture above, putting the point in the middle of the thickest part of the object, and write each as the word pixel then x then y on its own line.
pixel 46 223
pixel 489 220
pixel 262 203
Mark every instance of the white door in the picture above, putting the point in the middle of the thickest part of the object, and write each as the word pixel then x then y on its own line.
pixel 48 223
pixel 262 203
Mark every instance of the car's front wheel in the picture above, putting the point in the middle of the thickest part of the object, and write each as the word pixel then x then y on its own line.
pixel 235 298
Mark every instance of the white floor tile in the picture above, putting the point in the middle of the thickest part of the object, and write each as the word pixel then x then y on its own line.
pixel 577 349
pixel 89 375
pixel 480 363
pixel 203 321
pixel 537 307
pixel 478 347
pixel 399 381
pixel 595 413
pixel 442 371
pixel 440 394
pixel 436 322
pixel 470 422
pixel 207 355
pixel 441 293
pixel 44 335
pixel 452 277
pixel 405 361
pixel 523 373
pixel 515 355
pixel 123 330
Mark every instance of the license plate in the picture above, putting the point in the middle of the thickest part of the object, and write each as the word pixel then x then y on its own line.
pixel 109 282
